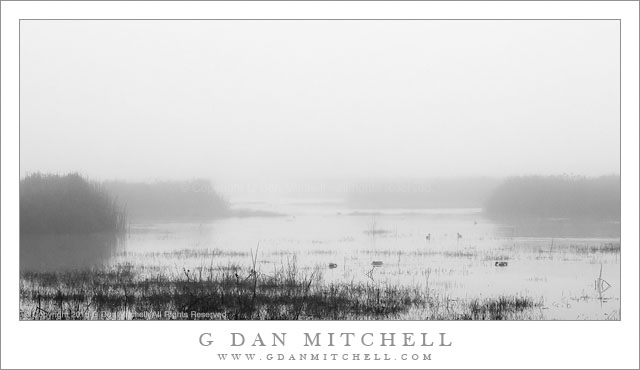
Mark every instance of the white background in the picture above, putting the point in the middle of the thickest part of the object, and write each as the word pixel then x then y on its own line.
pixel 175 344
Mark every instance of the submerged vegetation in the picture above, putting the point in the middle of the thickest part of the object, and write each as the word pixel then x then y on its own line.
pixel 557 197
pixel 67 204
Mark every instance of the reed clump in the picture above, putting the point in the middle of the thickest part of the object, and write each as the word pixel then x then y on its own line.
pixel 170 200
pixel 500 308
pixel 575 197
pixel 67 204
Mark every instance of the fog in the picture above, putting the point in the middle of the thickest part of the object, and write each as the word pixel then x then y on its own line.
pixel 320 170
pixel 289 100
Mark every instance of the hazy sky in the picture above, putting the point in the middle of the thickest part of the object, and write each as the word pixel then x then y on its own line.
pixel 286 99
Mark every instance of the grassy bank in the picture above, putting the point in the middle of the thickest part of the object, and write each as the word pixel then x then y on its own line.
pixel 127 291
pixel 556 197
pixel 195 199
pixel 67 204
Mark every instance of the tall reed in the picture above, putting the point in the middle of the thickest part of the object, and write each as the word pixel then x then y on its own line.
pixel 67 204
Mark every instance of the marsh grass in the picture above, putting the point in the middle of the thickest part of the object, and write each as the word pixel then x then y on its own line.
pixel 185 253
pixel 556 197
pixel 289 292
pixel 170 200
pixel 67 204
pixel 501 308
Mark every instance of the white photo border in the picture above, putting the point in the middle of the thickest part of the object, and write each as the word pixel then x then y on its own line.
pixel 566 344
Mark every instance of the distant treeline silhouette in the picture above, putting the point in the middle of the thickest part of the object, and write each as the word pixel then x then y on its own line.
pixel 67 204
pixel 195 199
pixel 441 193
pixel 557 197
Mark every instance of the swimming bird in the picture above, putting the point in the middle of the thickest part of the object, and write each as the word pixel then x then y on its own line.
pixel 428 237
pixel 459 236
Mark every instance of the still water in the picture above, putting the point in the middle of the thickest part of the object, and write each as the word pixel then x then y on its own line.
pixel 451 251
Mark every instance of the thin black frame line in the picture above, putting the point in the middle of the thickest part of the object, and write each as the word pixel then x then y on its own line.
pixel 313 19
pixel 384 19
pixel 620 149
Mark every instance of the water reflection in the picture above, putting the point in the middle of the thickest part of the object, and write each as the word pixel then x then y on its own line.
pixel 65 252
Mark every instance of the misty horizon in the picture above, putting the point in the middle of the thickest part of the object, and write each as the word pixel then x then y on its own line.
pixel 287 102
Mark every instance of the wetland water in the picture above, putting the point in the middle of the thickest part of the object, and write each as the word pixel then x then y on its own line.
pixel 556 262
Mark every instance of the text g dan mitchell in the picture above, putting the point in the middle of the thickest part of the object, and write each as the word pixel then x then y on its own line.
pixel 346 339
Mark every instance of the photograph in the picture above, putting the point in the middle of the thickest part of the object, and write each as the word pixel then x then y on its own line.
pixel 320 184
pixel 309 169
